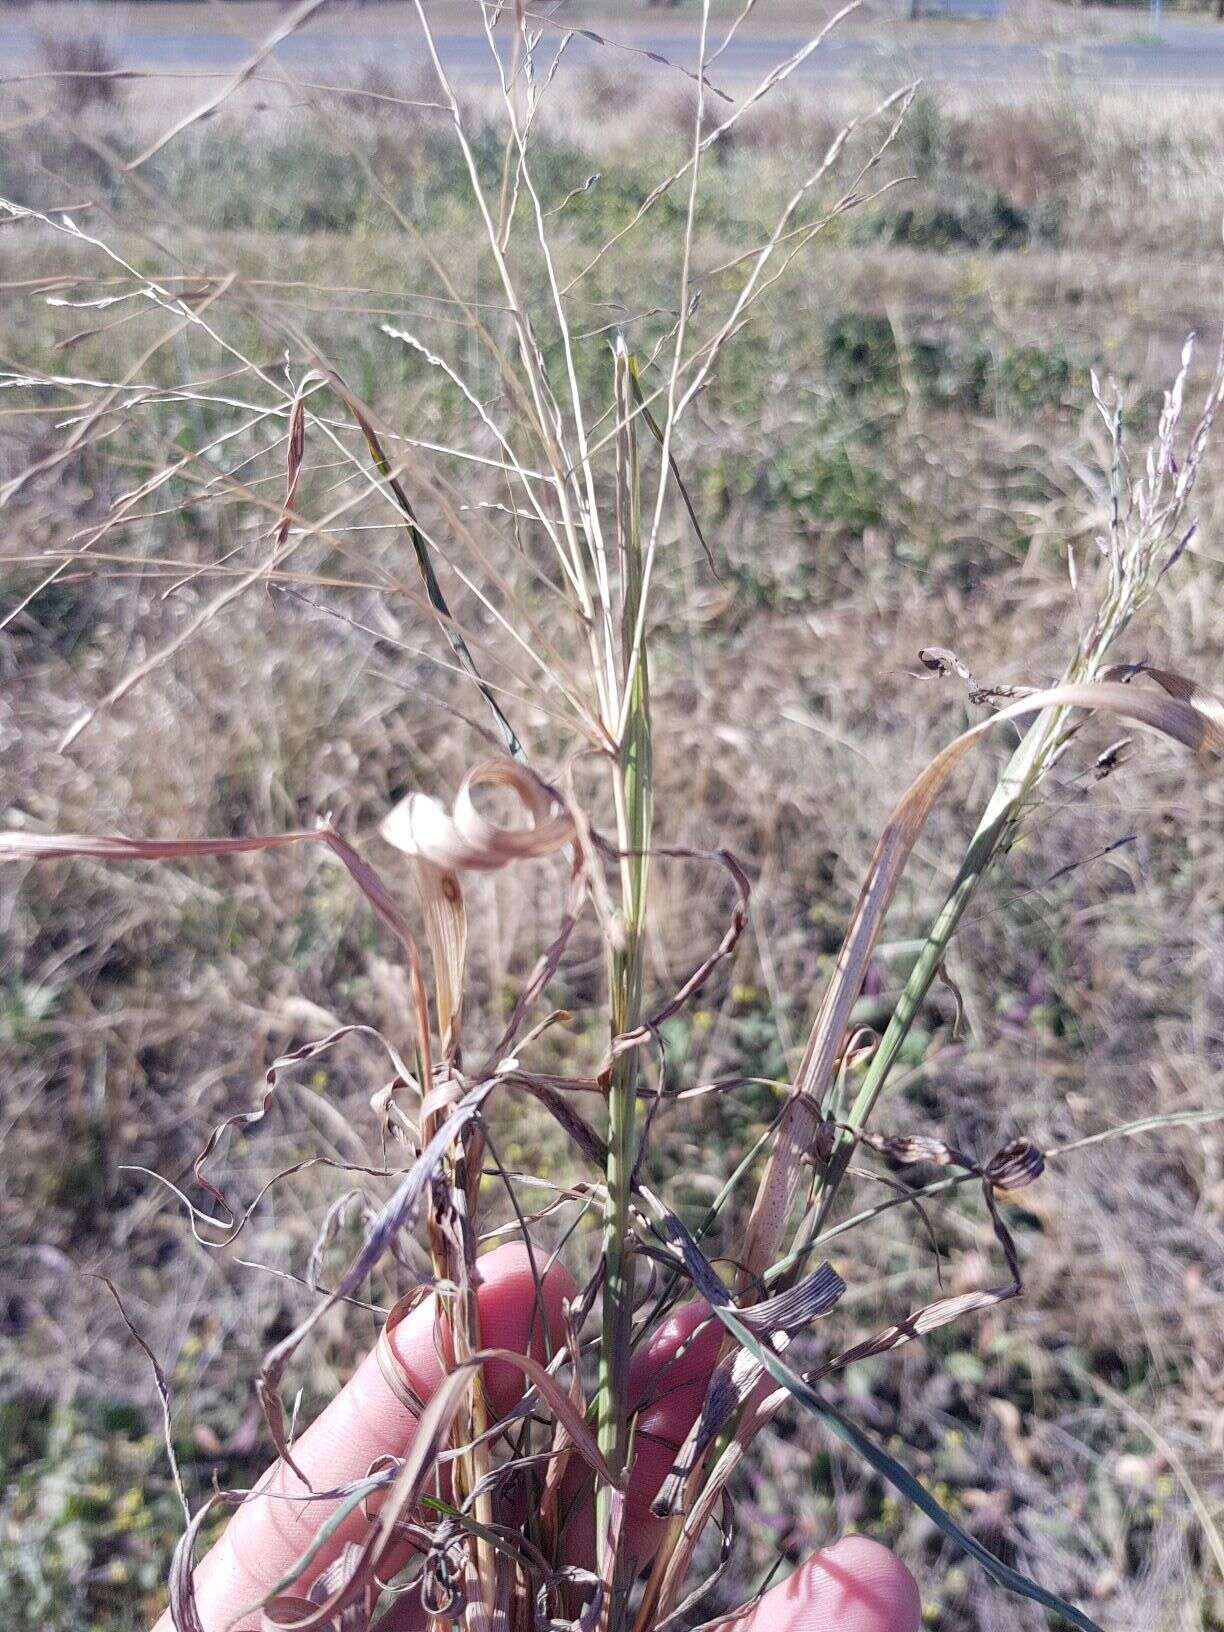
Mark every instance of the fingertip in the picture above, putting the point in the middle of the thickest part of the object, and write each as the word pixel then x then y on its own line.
pixel 884 1581
pixel 855 1586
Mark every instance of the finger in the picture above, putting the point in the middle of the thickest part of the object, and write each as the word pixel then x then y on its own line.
pixel 856 1586
pixel 667 1382
pixel 365 1421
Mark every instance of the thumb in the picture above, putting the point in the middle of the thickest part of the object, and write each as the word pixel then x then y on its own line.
pixel 855 1586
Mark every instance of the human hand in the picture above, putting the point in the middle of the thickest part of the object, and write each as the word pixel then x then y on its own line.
pixel 855 1586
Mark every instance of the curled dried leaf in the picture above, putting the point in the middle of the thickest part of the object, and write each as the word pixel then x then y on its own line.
pixel 790 1311
pixel 1018 1164
pixel 443 844
pixel 942 661
pixel 465 841
pixel 18 845
pixel 1181 686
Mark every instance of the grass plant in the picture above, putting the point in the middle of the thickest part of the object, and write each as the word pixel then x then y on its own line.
pixel 536 558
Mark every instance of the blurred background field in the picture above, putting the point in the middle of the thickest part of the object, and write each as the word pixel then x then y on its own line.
pixel 898 452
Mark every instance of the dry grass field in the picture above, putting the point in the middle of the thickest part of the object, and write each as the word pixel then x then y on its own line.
pixel 898 450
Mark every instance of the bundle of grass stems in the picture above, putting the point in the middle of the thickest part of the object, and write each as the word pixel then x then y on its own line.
pixel 593 486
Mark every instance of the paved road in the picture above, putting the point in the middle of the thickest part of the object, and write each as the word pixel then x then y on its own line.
pixel 1190 57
